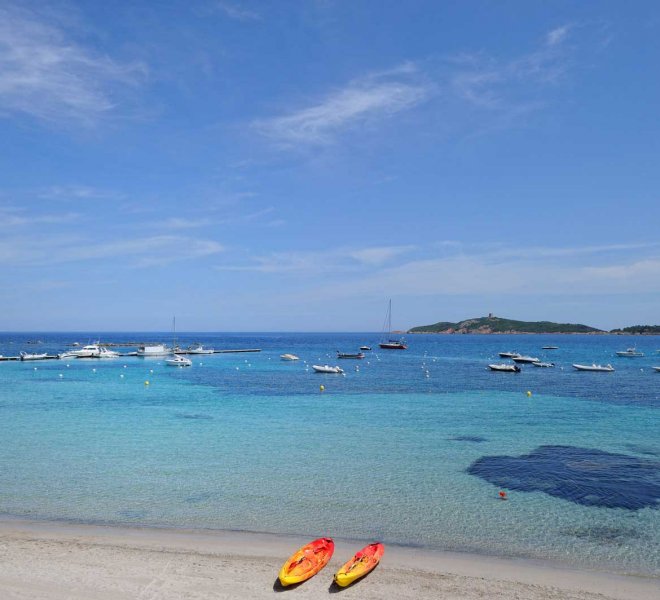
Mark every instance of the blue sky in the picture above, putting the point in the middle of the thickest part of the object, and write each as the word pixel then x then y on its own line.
pixel 292 165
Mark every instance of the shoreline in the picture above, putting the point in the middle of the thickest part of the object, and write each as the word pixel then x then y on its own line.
pixel 57 560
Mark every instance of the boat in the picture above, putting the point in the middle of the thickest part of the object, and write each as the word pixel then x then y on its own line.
pixel 105 353
pixel 365 348
pixel 631 352
pixel 307 561
pixel 28 356
pixel 289 357
pixel 594 367
pixel 362 563
pixel 148 350
pixel 178 361
pixel 89 351
pixel 539 363
pixel 67 355
pixel 505 368
pixel 391 344
pixel 524 359
pixel 656 369
pixel 508 354
pixel 550 348
pixel 327 369
pixel 199 349
pixel 359 355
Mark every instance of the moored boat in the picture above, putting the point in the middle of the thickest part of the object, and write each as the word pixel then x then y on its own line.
pixel 524 359
pixel 550 348
pixel 656 369
pixel 289 357
pixel 630 352
pixel 508 354
pixel 29 356
pixel 105 353
pixel 365 348
pixel 327 369
pixel 391 344
pixel 546 365
pixel 595 367
pixel 178 361
pixel 505 368
pixel 358 355
pixel 199 349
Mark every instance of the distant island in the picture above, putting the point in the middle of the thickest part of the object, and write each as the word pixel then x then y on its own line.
pixel 492 324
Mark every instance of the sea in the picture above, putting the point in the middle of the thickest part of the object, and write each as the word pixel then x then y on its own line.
pixel 424 447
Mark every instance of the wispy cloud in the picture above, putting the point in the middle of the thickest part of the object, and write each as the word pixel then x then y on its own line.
pixel 15 217
pixel 235 10
pixel 138 252
pixel 374 97
pixel 76 192
pixel 46 74
pixel 556 36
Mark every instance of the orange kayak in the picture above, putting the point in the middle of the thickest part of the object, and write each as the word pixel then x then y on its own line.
pixel 361 564
pixel 307 562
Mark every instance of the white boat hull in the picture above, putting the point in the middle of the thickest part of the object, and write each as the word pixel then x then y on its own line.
pixel 594 368
pixel 327 369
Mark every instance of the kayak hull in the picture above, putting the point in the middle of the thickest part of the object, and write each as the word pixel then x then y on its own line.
pixel 362 563
pixel 307 561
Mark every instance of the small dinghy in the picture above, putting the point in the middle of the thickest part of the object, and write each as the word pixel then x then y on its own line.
pixel 505 368
pixel 656 369
pixel 289 357
pixel 546 365
pixel 327 369
pixel 509 354
pixel 595 367
pixel 28 356
pixel 366 348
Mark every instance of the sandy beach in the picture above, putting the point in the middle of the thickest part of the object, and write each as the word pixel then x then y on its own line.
pixel 57 561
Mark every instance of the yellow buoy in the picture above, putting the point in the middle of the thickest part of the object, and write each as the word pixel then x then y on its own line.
pixel 529 393
pixel 146 383
pixel 322 388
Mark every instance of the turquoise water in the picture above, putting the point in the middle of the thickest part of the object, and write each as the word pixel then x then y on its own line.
pixel 248 442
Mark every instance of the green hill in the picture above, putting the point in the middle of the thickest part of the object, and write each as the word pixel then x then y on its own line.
pixel 639 330
pixel 492 324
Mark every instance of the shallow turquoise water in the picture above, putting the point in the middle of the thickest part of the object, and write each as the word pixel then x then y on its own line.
pixel 249 442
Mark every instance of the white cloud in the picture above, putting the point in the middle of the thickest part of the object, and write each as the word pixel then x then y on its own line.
pixel 377 96
pixel 557 36
pixel 236 11
pixel 46 74
pixel 136 252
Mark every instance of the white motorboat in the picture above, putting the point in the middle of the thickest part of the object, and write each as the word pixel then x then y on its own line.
pixel 67 355
pixel 524 359
pixel 546 365
pixel 656 369
pixel 28 356
pixel 178 361
pixel 289 357
pixel 365 348
pixel 153 350
pixel 199 349
pixel 505 368
pixel 631 352
pixel 105 353
pixel 550 348
pixel 327 369
pixel 89 351
pixel 595 367
pixel 509 354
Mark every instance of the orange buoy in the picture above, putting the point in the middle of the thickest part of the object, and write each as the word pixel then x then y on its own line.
pixel 502 495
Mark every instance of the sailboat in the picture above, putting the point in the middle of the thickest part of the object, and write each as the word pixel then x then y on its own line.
pixel 176 360
pixel 391 344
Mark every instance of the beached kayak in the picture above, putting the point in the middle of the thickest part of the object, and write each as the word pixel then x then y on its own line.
pixel 361 564
pixel 307 561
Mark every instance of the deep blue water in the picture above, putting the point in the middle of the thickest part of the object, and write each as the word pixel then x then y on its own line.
pixel 412 448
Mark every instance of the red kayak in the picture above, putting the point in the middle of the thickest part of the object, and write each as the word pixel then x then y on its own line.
pixel 362 563
pixel 307 561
